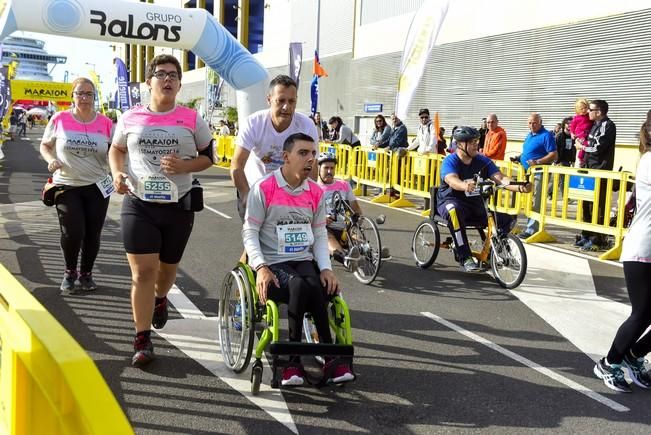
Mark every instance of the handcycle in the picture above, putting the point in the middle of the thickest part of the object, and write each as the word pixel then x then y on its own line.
pixel 503 253
pixel 241 313
pixel 362 233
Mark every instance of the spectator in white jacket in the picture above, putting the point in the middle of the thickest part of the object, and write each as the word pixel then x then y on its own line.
pixel 425 140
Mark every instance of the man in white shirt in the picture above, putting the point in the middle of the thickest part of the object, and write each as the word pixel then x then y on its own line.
pixel 425 141
pixel 259 144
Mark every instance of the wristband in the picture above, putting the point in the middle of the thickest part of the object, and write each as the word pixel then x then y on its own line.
pixel 260 266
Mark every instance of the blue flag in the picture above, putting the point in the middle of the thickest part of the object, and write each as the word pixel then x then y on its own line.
pixel 123 84
pixel 314 94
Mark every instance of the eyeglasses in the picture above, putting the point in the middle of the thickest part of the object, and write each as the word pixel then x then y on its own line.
pixel 162 75
pixel 424 117
pixel 84 94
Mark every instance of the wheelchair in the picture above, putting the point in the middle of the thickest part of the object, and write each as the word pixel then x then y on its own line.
pixel 241 314
pixel 503 253
pixel 361 232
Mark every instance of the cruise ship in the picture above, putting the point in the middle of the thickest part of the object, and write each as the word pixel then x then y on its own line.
pixel 33 60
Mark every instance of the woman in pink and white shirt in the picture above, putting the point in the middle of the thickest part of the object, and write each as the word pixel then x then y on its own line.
pixel 75 146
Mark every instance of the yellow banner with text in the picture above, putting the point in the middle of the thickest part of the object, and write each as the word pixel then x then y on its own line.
pixel 46 91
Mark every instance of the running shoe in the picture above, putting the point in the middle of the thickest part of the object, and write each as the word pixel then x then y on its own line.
pixel 68 282
pixel 342 373
pixel 612 375
pixel 590 246
pixel 159 318
pixel 637 371
pixel 292 376
pixel 580 241
pixel 86 282
pixel 144 351
pixel 469 265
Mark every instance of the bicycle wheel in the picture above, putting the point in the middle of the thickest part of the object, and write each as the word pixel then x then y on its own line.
pixel 425 244
pixel 236 321
pixel 508 261
pixel 365 235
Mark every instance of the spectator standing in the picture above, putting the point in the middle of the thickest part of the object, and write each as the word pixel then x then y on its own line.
pixel 321 126
pixel 495 142
pixel 22 124
pixel 381 133
pixel 441 145
pixel 343 133
pixel 75 146
pixel 453 143
pixel 539 148
pixel 565 145
pixel 398 138
pixel 632 341
pixel 223 128
pixel 13 125
pixel 483 130
pixel 580 128
pixel 599 154
pixel 425 141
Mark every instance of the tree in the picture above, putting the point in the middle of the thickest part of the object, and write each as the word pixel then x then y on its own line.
pixel 230 113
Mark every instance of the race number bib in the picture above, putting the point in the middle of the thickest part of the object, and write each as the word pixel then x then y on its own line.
pixel 156 188
pixel 474 192
pixel 105 185
pixel 294 238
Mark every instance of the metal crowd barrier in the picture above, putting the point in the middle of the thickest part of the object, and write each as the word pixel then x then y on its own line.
pixel 510 202
pixel 372 168
pixel 572 189
pixel 414 174
pixel 48 384
pixel 345 158
pixel 224 150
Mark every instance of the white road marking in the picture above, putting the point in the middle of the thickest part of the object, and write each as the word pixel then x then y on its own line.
pixel 198 337
pixel 224 215
pixel 531 364
pixel 576 254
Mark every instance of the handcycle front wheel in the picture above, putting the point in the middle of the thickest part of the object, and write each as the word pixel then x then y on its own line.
pixel 365 235
pixel 236 321
pixel 426 243
pixel 508 261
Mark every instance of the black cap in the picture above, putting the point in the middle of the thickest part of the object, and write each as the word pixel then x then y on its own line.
pixel 423 112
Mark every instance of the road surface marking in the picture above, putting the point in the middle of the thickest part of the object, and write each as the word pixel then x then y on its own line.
pixel 532 365
pixel 224 215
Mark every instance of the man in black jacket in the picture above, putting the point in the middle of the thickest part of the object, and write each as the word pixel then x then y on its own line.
pixel 599 154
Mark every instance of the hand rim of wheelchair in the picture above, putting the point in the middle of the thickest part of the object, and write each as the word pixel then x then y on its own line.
pixel 369 256
pixel 237 360
pixel 496 257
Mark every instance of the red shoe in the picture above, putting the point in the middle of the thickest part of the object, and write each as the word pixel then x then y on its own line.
pixel 292 376
pixel 342 373
pixel 144 351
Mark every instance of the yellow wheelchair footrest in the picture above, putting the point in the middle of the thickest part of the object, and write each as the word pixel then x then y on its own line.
pixel 323 349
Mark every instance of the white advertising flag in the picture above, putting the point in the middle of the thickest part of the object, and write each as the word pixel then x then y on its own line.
pixel 421 38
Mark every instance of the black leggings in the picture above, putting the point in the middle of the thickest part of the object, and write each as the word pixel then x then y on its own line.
pixel 301 289
pixel 638 283
pixel 81 211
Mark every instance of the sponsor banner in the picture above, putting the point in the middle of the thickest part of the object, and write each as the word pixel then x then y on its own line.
pixel 134 93
pixel 421 38
pixel 31 90
pixel 140 23
pixel 122 80
pixel 5 92
pixel 295 60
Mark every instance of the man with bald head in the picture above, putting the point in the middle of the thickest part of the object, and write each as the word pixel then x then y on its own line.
pixel 539 148
pixel 495 143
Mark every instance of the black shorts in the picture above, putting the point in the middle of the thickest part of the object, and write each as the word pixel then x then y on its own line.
pixel 152 228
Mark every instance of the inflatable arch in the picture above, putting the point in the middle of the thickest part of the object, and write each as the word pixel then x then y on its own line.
pixel 147 24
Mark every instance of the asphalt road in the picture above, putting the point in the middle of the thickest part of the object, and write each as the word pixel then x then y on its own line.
pixel 437 351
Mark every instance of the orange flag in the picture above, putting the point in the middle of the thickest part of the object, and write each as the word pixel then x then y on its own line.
pixel 437 125
pixel 318 69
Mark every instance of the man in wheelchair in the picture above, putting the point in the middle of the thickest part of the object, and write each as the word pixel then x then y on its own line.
pixel 458 200
pixel 336 222
pixel 285 238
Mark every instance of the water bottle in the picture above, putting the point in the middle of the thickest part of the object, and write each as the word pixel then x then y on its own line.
pixel 237 317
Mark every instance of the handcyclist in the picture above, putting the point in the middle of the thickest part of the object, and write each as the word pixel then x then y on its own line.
pixel 285 238
pixel 336 224
pixel 459 200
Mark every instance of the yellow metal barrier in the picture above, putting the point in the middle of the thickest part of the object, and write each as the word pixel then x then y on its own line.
pixel 509 202
pixel 372 168
pixel 415 174
pixel 224 150
pixel 565 208
pixel 48 384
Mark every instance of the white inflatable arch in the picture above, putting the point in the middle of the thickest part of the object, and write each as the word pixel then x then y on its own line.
pixel 146 24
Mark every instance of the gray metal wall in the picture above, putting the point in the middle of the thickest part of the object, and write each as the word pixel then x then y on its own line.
pixel 543 70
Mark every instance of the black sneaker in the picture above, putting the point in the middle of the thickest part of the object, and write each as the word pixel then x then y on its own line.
pixel 144 351
pixel 637 371
pixel 159 318
pixel 68 283
pixel 86 282
pixel 613 376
